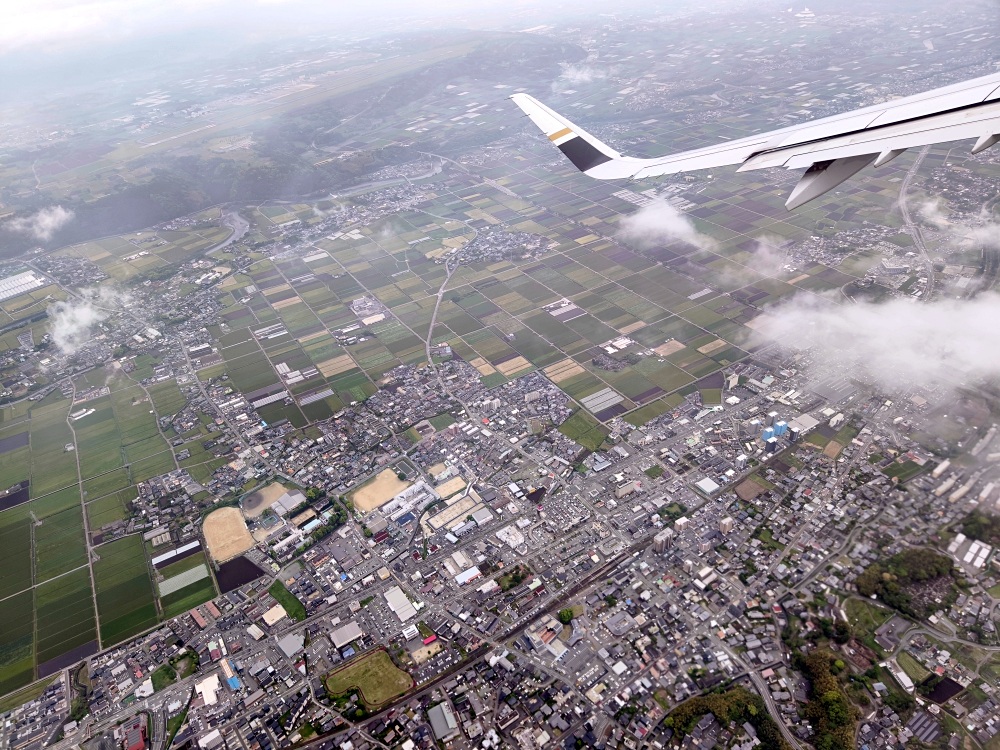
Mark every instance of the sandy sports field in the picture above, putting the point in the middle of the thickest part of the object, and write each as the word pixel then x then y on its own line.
pixel 259 501
pixel 377 491
pixel 226 534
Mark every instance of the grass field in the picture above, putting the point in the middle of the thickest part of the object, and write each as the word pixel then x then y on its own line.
pixel 864 616
pixel 190 596
pixel 585 430
pixel 903 471
pixel 914 669
pixel 374 676
pixel 125 600
pixel 288 600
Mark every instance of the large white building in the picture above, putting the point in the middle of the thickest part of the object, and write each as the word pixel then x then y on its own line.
pixel 19 284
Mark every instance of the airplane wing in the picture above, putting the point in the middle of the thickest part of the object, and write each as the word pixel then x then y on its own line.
pixel 831 149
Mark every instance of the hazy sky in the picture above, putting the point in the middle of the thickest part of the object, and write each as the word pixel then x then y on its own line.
pixel 49 25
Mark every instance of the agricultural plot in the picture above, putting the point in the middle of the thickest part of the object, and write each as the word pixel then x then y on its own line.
pixel 109 508
pixel 99 441
pixel 64 610
pixel 15 551
pixel 136 255
pixel 186 584
pixel 60 545
pixel 17 655
pixel 52 466
pixel 14 453
pixel 125 601
pixel 167 398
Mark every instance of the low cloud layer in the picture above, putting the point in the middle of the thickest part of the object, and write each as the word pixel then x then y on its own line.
pixel 659 223
pixel 768 257
pixel 577 75
pixel 933 212
pixel 72 322
pixel 43 224
pixel 980 231
pixel 897 344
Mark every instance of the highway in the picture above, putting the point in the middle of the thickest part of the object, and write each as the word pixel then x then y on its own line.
pixel 913 227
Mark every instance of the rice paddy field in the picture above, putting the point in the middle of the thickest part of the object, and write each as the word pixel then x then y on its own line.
pixel 668 316
pixel 48 582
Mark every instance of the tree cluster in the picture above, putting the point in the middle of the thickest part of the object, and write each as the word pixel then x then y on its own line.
pixel 982 526
pixel 828 710
pixel 734 706
pixel 892 579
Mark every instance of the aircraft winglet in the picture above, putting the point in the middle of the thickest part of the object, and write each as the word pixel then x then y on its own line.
pixel 580 147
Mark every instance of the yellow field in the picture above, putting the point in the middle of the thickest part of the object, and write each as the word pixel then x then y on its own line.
pixel 450 487
pixel 226 534
pixel 335 366
pixel 563 370
pixel 255 504
pixel 378 491
pixel 374 676
pixel 484 367
pixel 631 328
pixel 286 302
pixel 713 346
pixel 671 346
pixel 512 366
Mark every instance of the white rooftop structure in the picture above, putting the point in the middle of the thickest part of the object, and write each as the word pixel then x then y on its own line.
pixel 707 486
pixel 274 614
pixel 19 284
pixel 346 634
pixel 208 689
pixel 400 604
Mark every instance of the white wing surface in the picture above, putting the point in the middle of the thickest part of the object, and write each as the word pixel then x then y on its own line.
pixel 830 150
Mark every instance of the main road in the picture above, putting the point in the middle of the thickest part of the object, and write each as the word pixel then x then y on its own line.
pixel 911 226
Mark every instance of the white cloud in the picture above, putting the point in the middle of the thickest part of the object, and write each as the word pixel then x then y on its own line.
pixel 580 74
pixel 43 224
pixel 72 321
pixel 897 344
pixel 659 223
pixel 768 257
pixel 933 212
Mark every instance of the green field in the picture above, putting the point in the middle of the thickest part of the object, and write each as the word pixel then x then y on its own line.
pixel 15 551
pixel 864 616
pixel 914 669
pixel 17 643
pixel 187 598
pixel 109 508
pixel 903 471
pixel 21 697
pixel 288 600
pixel 374 676
pixel 585 430
pixel 60 545
pixel 65 611
pixel 125 600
